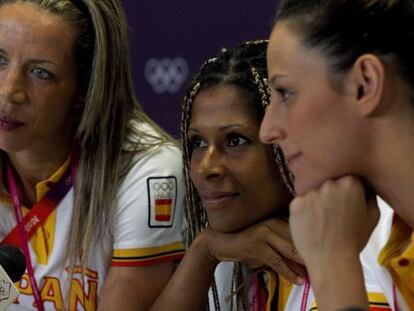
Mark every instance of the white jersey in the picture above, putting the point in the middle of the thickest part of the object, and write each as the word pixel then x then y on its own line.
pixel 147 229
pixel 368 257
pixel 378 294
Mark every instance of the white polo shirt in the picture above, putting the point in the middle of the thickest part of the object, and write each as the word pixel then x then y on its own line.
pixel 147 229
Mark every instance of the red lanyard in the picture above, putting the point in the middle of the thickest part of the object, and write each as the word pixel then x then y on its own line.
pixel 259 297
pixel 258 300
pixel 26 226
pixel 305 295
pixel 394 298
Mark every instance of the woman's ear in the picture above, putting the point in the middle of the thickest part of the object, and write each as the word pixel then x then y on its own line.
pixel 367 84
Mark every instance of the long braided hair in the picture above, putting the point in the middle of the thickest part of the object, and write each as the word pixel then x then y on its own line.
pixel 243 67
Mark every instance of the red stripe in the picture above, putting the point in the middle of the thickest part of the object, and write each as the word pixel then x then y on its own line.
pixel 163 201
pixel 162 217
pixel 379 308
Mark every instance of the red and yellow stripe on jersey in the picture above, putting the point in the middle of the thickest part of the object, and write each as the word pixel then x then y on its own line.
pixel 148 256
pixel 281 287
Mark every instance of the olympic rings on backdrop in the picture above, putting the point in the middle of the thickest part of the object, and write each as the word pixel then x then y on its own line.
pixel 166 75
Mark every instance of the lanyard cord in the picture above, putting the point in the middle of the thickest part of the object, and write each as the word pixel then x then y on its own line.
pixel 394 298
pixel 305 295
pixel 23 238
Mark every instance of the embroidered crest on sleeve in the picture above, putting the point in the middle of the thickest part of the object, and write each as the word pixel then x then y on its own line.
pixel 162 195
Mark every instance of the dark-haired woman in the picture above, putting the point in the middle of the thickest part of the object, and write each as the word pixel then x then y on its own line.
pixel 342 80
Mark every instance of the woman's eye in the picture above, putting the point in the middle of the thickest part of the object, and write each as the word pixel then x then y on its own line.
pixel 3 60
pixel 41 73
pixel 236 140
pixel 283 94
pixel 197 142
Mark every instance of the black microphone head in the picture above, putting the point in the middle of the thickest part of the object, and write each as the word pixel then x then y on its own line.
pixel 13 262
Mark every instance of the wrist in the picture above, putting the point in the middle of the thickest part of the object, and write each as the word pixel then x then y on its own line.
pixel 203 244
pixel 334 262
pixel 339 284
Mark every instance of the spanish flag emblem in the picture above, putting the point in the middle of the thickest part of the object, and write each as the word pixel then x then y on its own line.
pixel 162 195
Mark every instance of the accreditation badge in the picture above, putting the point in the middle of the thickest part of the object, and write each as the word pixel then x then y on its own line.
pixel 162 195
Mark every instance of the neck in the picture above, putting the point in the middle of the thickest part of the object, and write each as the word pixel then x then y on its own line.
pixel 31 167
pixel 392 174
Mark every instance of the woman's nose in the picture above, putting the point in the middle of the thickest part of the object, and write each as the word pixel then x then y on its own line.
pixel 12 90
pixel 271 129
pixel 211 164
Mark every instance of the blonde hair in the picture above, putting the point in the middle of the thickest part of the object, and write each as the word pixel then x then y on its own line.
pixel 107 140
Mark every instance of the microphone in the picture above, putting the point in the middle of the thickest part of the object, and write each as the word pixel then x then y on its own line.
pixel 12 267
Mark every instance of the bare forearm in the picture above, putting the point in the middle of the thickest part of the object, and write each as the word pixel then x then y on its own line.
pixel 134 288
pixel 339 285
pixel 188 287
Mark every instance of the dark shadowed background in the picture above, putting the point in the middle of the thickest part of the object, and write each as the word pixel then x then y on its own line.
pixel 170 40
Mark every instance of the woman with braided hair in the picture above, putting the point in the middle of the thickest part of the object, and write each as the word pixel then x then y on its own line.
pixel 232 180
pixel 238 185
pixel 237 192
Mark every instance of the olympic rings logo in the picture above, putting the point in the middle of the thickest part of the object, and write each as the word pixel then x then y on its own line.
pixel 166 74
pixel 165 186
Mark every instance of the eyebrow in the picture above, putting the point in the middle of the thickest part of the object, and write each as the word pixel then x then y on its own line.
pixel 34 60
pixel 41 61
pixel 274 78
pixel 224 127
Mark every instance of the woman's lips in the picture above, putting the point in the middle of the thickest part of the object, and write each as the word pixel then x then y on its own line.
pixel 8 123
pixel 217 199
pixel 292 160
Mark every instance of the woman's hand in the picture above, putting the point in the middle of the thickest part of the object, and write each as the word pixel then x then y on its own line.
pixel 267 244
pixel 333 220
pixel 330 227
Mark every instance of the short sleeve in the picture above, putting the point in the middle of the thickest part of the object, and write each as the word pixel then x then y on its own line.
pixel 149 216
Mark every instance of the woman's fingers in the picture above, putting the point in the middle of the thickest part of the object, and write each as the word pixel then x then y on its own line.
pixel 265 245
pixel 286 268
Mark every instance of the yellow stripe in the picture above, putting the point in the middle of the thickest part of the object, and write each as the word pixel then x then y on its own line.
pixel 271 289
pixel 285 287
pixel 375 298
pixel 163 209
pixel 150 251
pixel 5 199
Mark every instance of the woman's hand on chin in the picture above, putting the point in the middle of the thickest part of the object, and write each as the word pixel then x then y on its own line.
pixel 335 220
pixel 330 227
pixel 264 245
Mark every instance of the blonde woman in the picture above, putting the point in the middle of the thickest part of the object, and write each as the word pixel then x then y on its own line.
pixel 91 187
